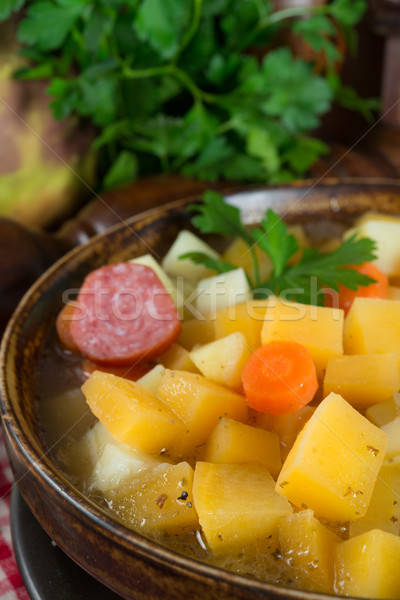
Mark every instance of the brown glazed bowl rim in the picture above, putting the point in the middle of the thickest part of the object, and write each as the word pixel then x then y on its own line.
pixel 327 198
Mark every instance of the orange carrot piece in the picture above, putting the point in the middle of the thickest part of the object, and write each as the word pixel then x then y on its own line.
pixel 345 297
pixel 279 378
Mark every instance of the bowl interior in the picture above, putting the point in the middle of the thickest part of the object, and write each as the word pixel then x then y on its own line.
pixel 30 337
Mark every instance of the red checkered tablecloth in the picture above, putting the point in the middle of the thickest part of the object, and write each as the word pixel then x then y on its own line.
pixel 11 586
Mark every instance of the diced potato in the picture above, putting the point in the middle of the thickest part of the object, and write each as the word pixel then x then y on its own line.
pixel 367 565
pixel 384 412
pixel 186 241
pixel 392 430
pixel 333 464
pixel 371 327
pixel 384 507
pixel 160 502
pixel 200 404
pixel 151 380
pixel 287 426
pixel 308 550
pixel 233 442
pixel 318 328
pixel 80 457
pixel 385 231
pixel 223 360
pixel 363 380
pixel 220 291
pixel 238 254
pixel 237 505
pixel 131 414
pixel 149 261
pixel 196 331
pixel 247 317
pixel 177 357
pixel 117 466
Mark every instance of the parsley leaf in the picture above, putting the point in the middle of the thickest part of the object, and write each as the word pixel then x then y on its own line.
pixel 273 237
pixel 199 258
pixel 206 88
pixel 304 281
pixel 47 24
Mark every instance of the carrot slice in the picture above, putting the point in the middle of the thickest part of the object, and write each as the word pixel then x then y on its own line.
pixel 279 378
pixel 345 297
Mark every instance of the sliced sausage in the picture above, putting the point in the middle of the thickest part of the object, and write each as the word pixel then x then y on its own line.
pixel 124 314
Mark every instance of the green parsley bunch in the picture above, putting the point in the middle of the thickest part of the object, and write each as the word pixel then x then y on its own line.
pixel 178 85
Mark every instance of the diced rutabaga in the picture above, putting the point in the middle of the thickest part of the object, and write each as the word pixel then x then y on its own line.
pixel 385 231
pixel 334 462
pixel 392 430
pixel 367 566
pixel 151 380
pixel 247 317
pixel 131 413
pixel 223 360
pixel 384 507
pixel 232 442
pixel 185 242
pixel 372 326
pixel 159 502
pixel 200 403
pixel 308 549
pixel 220 291
pixel 237 505
pixel 319 328
pixel 363 380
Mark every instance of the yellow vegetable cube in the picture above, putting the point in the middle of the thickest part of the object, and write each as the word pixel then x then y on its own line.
pixel 238 254
pixel 235 442
pixel 308 550
pixel 161 501
pixel 384 412
pixel 199 403
pixel 131 413
pixel 363 380
pixel 372 326
pixel 392 430
pixel 384 507
pixel 385 230
pixel 333 464
pixel 151 380
pixel 223 360
pixel 196 331
pixel 287 426
pixel 318 328
pixel 177 357
pixel 186 241
pixel 247 318
pixel 237 506
pixel 368 565
pixel 220 291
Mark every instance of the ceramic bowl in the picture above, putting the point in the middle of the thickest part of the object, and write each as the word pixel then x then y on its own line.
pixel 131 565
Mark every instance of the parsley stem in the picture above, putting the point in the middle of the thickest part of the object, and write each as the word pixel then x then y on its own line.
pixel 174 71
pixel 255 266
pixel 193 27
